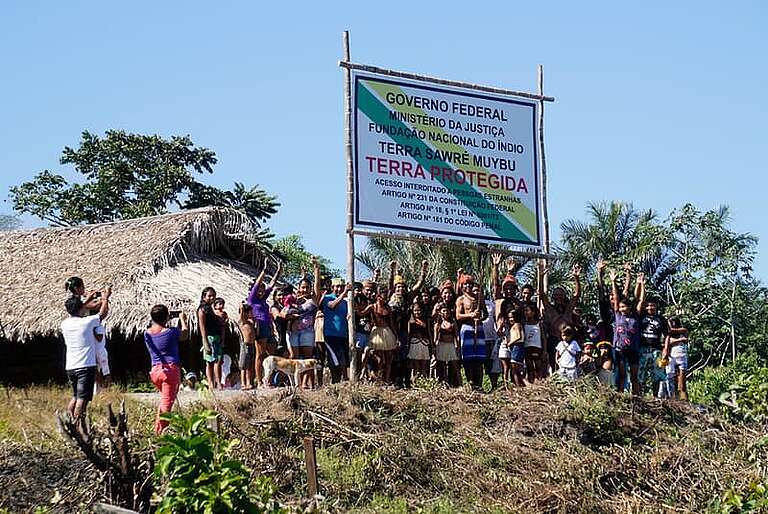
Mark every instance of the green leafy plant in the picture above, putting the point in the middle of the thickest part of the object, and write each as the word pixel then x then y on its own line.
pixel 753 499
pixel 198 474
pixel 748 397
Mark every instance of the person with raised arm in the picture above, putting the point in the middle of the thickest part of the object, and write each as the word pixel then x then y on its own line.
pixel 400 303
pixel 79 331
pixel 266 343
pixel 653 332
pixel 301 321
pixel 162 344
pixel 335 309
pixel 676 351
pixel 626 337
pixel 558 313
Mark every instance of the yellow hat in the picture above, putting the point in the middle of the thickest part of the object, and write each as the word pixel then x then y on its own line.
pixel 604 344
pixel 662 362
pixel 399 279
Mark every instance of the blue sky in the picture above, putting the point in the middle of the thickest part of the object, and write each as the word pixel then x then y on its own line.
pixel 658 103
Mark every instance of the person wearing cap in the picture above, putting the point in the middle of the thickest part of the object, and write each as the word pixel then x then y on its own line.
pixel 587 361
pixel 335 310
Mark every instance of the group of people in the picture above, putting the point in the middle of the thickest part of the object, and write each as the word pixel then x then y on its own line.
pixel 404 332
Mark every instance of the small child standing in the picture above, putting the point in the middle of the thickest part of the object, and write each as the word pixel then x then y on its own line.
pixel 512 348
pixel 567 353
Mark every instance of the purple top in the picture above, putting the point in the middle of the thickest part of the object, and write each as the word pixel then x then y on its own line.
pixel 259 306
pixel 163 347
pixel 626 332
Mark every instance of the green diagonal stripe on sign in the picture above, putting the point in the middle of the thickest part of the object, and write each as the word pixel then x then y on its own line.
pixel 525 218
pixel 378 113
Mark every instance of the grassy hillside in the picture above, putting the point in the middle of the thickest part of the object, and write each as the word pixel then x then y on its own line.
pixel 548 448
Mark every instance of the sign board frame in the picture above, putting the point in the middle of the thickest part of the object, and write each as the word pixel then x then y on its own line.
pixel 472 198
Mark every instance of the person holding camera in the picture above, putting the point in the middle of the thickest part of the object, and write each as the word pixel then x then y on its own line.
pixel 79 331
pixel 163 345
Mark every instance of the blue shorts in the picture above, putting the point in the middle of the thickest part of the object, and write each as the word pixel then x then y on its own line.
pixel 517 354
pixel 302 338
pixel 627 355
pixel 361 341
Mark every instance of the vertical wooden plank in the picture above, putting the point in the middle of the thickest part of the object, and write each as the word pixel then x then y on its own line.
pixel 309 458
pixel 543 161
pixel 350 206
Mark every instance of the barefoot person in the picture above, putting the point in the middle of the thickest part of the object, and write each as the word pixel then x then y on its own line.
pixel 383 341
pixel 512 348
pixel 163 346
pixel 247 347
pixel 447 347
pixel 419 338
pixel 212 334
pixel 301 322
pixel 470 313
pixel 79 332
pixel 676 350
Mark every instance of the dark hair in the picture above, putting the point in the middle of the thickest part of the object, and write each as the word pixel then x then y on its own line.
pixel 675 322
pixel 219 300
pixel 73 304
pixel 528 286
pixel 206 291
pixel 73 283
pixel 517 316
pixel 532 306
pixel 159 314
pixel 590 318
pixel 288 289
pixel 567 332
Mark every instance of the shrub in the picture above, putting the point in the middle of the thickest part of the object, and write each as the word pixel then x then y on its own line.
pixel 198 475
pixel 748 397
pixel 707 386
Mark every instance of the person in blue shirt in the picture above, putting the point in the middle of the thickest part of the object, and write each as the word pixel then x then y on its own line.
pixel 335 329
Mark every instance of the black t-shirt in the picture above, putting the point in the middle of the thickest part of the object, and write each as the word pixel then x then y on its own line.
pixel 653 329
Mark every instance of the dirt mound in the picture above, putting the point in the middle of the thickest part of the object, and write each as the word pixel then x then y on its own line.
pixel 547 448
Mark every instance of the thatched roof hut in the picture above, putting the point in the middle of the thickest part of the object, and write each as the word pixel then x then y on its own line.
pixel 160 259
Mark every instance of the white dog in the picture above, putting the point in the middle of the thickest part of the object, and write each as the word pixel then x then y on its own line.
pixel 291 367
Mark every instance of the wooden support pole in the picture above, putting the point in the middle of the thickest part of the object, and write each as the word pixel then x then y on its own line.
pixel 543 161
pixel 350 207
pixel 311 461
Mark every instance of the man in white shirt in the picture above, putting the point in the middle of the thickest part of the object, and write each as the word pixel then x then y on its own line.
pixel 79 332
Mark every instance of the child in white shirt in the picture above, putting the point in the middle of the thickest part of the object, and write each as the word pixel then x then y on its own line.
pixel 567 355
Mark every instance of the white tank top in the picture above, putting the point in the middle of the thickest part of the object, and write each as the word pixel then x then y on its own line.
pixel 533 336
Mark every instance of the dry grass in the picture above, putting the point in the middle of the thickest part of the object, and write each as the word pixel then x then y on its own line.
pixel 547 448
pixel 542 449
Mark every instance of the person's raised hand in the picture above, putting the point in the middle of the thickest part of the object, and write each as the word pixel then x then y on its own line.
pixel 512 266
pixel 496 259
pixel 641 278
pixel 600 265
pixel 106 292
pixel 612 274
pixel 392 264
pixel 576 271
pixel 313 260
pixel 183 317
pixel 627 268
pixel 459 272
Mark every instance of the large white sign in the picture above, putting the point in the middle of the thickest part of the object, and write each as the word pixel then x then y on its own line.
pixel 444 162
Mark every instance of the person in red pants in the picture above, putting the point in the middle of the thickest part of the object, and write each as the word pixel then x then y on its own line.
pixel 163 346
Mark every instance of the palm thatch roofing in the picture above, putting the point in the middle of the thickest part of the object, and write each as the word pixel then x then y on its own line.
pixel 160 259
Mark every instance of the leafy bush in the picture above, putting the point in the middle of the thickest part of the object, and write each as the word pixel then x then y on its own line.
pixel 707 386
pixel 198 475
pixel 599 416
pixel 754 499
pixel 748 397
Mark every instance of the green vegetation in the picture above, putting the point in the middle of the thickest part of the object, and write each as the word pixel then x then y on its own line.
pixel 198 473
